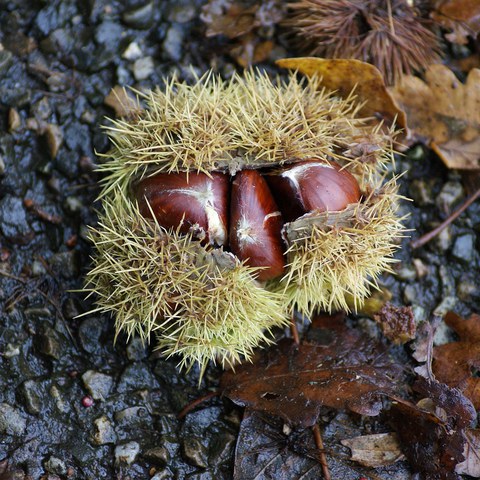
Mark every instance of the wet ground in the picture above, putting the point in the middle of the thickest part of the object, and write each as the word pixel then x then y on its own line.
pixel 72 403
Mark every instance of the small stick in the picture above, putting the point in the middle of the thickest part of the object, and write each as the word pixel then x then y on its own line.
pixel 196 402
pixel 294 330
pixel 321 451
pixel 420 242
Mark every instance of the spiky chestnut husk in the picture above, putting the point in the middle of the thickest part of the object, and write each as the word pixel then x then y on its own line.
pixel 389 34
pixel 202 304
pixel 215 125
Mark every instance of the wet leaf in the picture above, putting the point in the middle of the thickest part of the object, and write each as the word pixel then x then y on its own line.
pixel 444 113
pixel 462 17
pixel 455 362
pixel 346 75
pixel 265 449
pixel 335 367
pixel 397 323
pixel 375 450
pixel 471 464
pixel 433 434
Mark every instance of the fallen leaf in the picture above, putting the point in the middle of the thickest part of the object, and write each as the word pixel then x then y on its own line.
pixel 444 113
pixel 375 450
pixel 460 16
pixel 433 439
pixel 397 323
pixel 471 464
pixel 455 362
pixel 335 367
pixel 265 449
pixel 345 76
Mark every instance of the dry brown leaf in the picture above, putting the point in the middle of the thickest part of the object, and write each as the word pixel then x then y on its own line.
pixel 460 16
pixel 471 464
pixel 444 113
pixel 337 368
pixel 121 102
pixel 375 450
pixel 344 76
pixel 454 362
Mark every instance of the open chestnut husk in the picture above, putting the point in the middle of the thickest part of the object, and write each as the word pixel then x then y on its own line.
pixel 227 205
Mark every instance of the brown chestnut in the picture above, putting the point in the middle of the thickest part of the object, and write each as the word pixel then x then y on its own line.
pixel 312 185
pixel 255 225
pixel 195 202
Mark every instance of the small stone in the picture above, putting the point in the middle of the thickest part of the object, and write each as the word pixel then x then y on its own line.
pixel 181 13
pixel 49 343
pixel 140 18
pixel 419 314
pixel 464 248
pixel 13 220
pixel 421 192
pixel 5 60
pixel 2 166
pixel 221 448
pixel 32 395
pixel 410 294
pixel 11 420
pixel 466 289
pixel 443 335
pixel 104 431
pixel 54 137
pixel 42 110
pixel 56 465
pixel 407 272
pixel 38 269
pixel 73 204
pixel 65 263
pixel 450 194
pixel 195 452
pixel 158 455
pixel 443 240
pixel 121 102
pixel 165 474
pixel 98 384
pixel 447 304
pixel 11 351
pixel 421 269
pixel 89 334
pixel 126 453
pixel 143 68
pixel 136 350
pixel 172 45
pixel 132 52
pixel 14 120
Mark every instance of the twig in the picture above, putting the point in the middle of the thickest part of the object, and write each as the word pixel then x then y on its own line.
pixel 419 242
pixel 197 402
pixel 321 452
pixel 294 330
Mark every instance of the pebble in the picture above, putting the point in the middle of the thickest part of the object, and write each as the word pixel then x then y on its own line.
pixel 89 333
pixel 143 68
pixel 181 13
pixel 140 18
pixel 450 194
pixel 464 248
pixel 38 269
pixel 104 431
pixel 14 120
pixel 32 396
pixel 98 384
pixel 126 453
pixel 131 416
pixel 136 350
pixel 221 448
pixel 172 45
pixel 2 165
pixel 158 455
pixel 195 452
pixel 6 60
pixel 407 272
pixel 49 343
pixel 13 219
pixel 421 192
pixel 447 304
pixel 132 52
pixel 65 264
pixel 12 421
pixel 165 474
pixel 443 240
pixel 54 136
pixel 56 465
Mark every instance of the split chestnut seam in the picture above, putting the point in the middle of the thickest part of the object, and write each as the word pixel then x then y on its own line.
pixel 227 205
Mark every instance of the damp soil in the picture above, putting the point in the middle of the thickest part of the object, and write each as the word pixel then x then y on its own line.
pixel 74 403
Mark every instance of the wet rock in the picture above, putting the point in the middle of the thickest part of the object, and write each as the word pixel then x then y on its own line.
pixel 55 465
pixel 143 68
pixel 50 343
pixel 194 452
pixel 140 18
pixel 450 194
pixel 172 45
pixel 89 333
pixel 131 416
pixel 221 448
pixel 54 136
pixel 104 431
pixel 12 421
pixel 158 455
pixel 65 264
pixel 6 60
pixel 126 453
pixel 13 220
pixel 14 120
pixel 98 384
pixel 464 248
pixel 165 474
pixel 136 350
pixel 31 393
pixel 181 13
pixel 136 377
pixel 132 52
